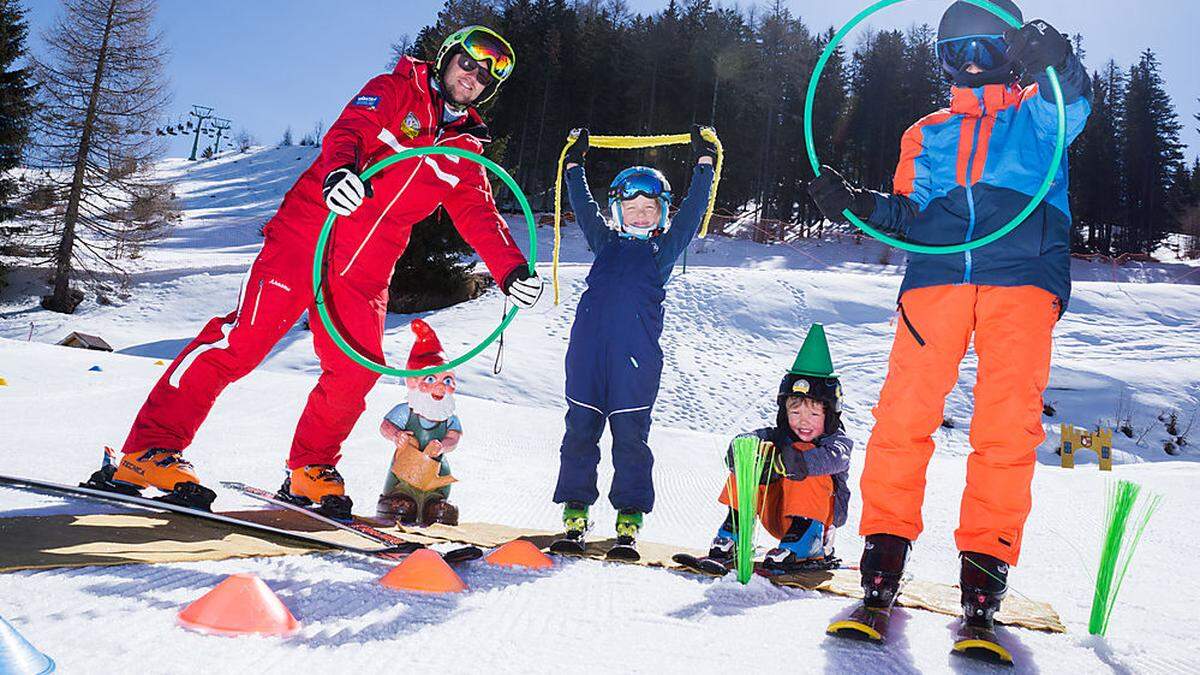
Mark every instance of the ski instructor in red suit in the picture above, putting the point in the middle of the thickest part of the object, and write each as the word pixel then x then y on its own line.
pixel 417 105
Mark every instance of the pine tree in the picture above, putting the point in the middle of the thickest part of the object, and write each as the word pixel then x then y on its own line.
pixel 103 89
pixel 1152 154
pixel 1096 166
pixel 16 100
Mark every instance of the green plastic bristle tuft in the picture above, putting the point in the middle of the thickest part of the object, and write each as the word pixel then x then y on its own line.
pixel 748 463
pixel 1119 545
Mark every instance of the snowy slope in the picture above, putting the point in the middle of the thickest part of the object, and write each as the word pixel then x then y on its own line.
pixel 734 319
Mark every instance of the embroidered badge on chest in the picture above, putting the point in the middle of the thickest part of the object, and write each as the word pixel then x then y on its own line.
pixel 411 126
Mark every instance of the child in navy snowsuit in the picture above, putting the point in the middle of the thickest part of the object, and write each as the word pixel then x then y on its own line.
pixel 614 361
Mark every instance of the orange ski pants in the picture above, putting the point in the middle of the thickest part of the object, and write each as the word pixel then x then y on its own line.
pixel 1012 327
pixel 784 499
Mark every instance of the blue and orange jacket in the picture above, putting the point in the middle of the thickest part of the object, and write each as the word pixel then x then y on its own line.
pixel 966 171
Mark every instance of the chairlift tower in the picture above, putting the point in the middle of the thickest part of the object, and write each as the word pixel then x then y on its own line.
pixel 221 125
pixel 201 113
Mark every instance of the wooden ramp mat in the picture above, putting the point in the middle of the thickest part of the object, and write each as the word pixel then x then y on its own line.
pixel 42 542
pixel 933 597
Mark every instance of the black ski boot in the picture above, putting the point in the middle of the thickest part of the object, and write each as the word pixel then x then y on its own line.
pixel 984 582
pixel 882 568
pixel 629 523
pixel 575 526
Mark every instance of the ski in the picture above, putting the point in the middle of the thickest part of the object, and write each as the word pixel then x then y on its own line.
pixel 568 546
pixel 866 623
pixel 980 644
pixel 357 526
pixel 36 485
pixel 706 565
pixel 623 553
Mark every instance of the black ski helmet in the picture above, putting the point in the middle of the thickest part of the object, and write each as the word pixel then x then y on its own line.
pixel 827 390
pixel 977 29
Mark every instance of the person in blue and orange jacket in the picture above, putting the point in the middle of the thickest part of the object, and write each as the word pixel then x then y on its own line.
pixel 964 173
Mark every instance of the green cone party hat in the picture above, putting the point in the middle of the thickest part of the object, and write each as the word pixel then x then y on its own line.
pixel 813 359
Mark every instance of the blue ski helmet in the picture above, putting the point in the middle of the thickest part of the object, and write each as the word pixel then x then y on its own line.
pixel 640 181
pixel 970 34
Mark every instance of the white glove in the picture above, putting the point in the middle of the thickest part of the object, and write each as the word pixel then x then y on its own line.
pixel 344 191
pixel 523 288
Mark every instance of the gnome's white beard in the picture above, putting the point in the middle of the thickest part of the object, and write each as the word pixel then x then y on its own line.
pixel 425 405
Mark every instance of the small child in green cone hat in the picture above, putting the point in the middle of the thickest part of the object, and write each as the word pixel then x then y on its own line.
pixel 803 492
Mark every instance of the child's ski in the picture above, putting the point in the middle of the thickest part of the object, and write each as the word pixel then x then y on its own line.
pixel 357 526
pixel 706 565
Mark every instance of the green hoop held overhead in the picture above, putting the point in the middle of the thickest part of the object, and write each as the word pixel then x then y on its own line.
pixel 924 248
pixel 323 240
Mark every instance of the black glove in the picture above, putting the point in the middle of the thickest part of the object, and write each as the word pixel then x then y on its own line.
pixel 833 194
pixel 343 191
pixel 522 287
pixel 701 146
pixel 1037 45
pixel 578 149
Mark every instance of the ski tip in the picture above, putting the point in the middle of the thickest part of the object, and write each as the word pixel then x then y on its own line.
pixel 983 650
pixel 855 630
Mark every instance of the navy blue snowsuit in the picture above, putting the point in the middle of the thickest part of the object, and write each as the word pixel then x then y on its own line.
pixel 614 361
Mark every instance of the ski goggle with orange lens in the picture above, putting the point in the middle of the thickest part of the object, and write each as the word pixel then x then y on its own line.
pixel 482 46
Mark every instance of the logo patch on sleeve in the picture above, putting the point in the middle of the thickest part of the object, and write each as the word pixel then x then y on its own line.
pixel 365 101
pixel 411 126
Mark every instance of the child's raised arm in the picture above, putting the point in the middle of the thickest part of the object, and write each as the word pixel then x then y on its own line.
pixel 587 211
pixel 687 220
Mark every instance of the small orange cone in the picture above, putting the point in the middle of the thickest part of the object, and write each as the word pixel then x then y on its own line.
pixel 159 363
pixel 520 553
pixel 240 605
pixel 424 570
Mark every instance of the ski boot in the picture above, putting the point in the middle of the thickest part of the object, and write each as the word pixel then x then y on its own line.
pixel 984 582
pixel 801 549
pixel 439 511
pixel 160 468
pixel 575 526
pixel 882 568
pixel 397 508
pixel 628 525
pixel 319 484
pixel 722 556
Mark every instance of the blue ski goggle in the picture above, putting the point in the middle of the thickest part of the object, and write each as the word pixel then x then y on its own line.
pixel 639 184
pixel 989 52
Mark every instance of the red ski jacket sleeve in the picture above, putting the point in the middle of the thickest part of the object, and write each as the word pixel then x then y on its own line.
pixel 473 210
pixel 360 121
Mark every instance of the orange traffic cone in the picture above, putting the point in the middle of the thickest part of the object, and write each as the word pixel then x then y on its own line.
pixel 519 553
pixel 240 605
pixel 424 570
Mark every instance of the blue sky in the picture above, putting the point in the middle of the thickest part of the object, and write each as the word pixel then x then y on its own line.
pixel 268 64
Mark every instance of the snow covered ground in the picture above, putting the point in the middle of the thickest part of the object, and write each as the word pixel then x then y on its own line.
pixel 1129 347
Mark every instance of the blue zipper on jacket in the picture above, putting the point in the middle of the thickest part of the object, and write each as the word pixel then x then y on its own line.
pixel 970 194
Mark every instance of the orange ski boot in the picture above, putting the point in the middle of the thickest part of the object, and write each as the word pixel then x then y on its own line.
pixel 319 484
pixel 160 468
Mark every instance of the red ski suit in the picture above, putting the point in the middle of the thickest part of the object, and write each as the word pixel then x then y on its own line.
pixel 393 112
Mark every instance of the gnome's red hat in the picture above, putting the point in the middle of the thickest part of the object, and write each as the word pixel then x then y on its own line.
pixel 427 350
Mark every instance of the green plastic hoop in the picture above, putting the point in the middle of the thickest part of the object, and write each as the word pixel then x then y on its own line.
pixel 323 240
pixel 925 248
